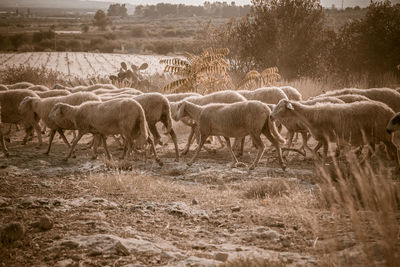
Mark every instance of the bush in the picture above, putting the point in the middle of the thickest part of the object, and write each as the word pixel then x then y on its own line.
pixel 19 39
pixel 30 74
pixel 139 31
pixel 39 36
pixel 160 47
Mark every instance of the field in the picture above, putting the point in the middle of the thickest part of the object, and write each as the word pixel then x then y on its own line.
pixel 112 213
pixel 81 64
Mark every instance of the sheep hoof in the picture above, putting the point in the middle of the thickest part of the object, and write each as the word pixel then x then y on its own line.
pixel 46 153
pixel 74 156
pixel 283 167
pixel 6 154
pixel 189 164
pixel 65 159
pixel 94 157
pixel 176 159
pixel 160 162
pixel 252 167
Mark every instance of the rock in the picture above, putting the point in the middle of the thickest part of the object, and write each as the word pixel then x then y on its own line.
pixel 4 201
pixel 235 209
pixel 44 223
pixel 11 232
pixel 69 244
pixel 121 249
pixel 194 201
pixel 67 263
pixel 286 243
pixel 179 208
pixel 221 256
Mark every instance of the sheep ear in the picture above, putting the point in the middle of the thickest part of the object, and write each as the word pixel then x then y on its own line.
pixel 289 106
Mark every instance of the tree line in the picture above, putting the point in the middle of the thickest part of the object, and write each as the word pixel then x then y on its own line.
pixel 296 37
pixel 216 9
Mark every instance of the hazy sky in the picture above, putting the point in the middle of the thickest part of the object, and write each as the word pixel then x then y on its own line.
pixel 326 3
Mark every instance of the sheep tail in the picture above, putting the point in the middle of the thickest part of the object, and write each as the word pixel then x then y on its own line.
pixel 143 125
pixel 274 131
pixel 169 118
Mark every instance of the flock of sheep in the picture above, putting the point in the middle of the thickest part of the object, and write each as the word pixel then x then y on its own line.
pixel 351 118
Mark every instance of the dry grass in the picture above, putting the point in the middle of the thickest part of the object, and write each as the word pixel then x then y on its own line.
pixel 273 188
pixel 252 262
pixel 364 203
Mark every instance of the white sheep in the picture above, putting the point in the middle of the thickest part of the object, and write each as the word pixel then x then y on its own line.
pixel 124 116
pixel 53 93
pixel 180 96
pixel 267 95
pixel 9 102
pixel 292 93
pixel 293 125
pixel 233 120
pixel 32 107
pixel 227 96
pixel 91 88
pixel 38 88
pixel 393 128
pixel 157 109
pixel 20 85
pixel 352 98
pixel 357 123
pixel 385 95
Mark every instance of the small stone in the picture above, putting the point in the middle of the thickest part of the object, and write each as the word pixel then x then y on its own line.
pixel 11 232
pixel 238 249
pixel 95 252
pixel 45 223
pixel 286 243
pixel 194 201
pixel 70 244
pixel 121 249
pixel 221 256
pixel 4 201
pixel 235 209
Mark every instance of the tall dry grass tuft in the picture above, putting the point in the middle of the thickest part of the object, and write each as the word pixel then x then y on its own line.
pixel 364 202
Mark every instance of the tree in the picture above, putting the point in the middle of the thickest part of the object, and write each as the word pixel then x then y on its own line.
pixel 101 20
pixel 117 10
pixel 288 34
pixel 370 46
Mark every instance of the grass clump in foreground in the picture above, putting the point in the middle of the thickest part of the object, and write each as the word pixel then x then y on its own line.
pixel 364 203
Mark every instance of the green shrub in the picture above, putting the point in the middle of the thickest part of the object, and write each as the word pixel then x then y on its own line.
pixel 139 31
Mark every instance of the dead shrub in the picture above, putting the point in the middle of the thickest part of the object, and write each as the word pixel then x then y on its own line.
pixel 273 188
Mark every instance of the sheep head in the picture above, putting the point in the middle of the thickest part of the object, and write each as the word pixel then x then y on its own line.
pixel 26 105
pixel 282 109
pixel 394 124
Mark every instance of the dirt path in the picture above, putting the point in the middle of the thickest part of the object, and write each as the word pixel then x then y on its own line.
pixel 174 215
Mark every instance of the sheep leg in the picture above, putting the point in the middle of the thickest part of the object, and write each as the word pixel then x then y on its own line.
pixel 189 141
pixel 2 143
pixel 304 136
pixel 39 133
pixel 175 140
pixel 260 147
pixel 203 139
pixel 290 139
pixel 80 134
pixel 52 133
pixel 151 142
pixel 235 163
pixel 241 146
pixel 275 143
pixel 61 132
pixel 95 143
pixel 156 135
pixel 221 143
pixel 103 138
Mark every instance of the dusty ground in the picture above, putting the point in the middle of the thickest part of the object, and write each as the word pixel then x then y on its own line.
pixel 173 215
